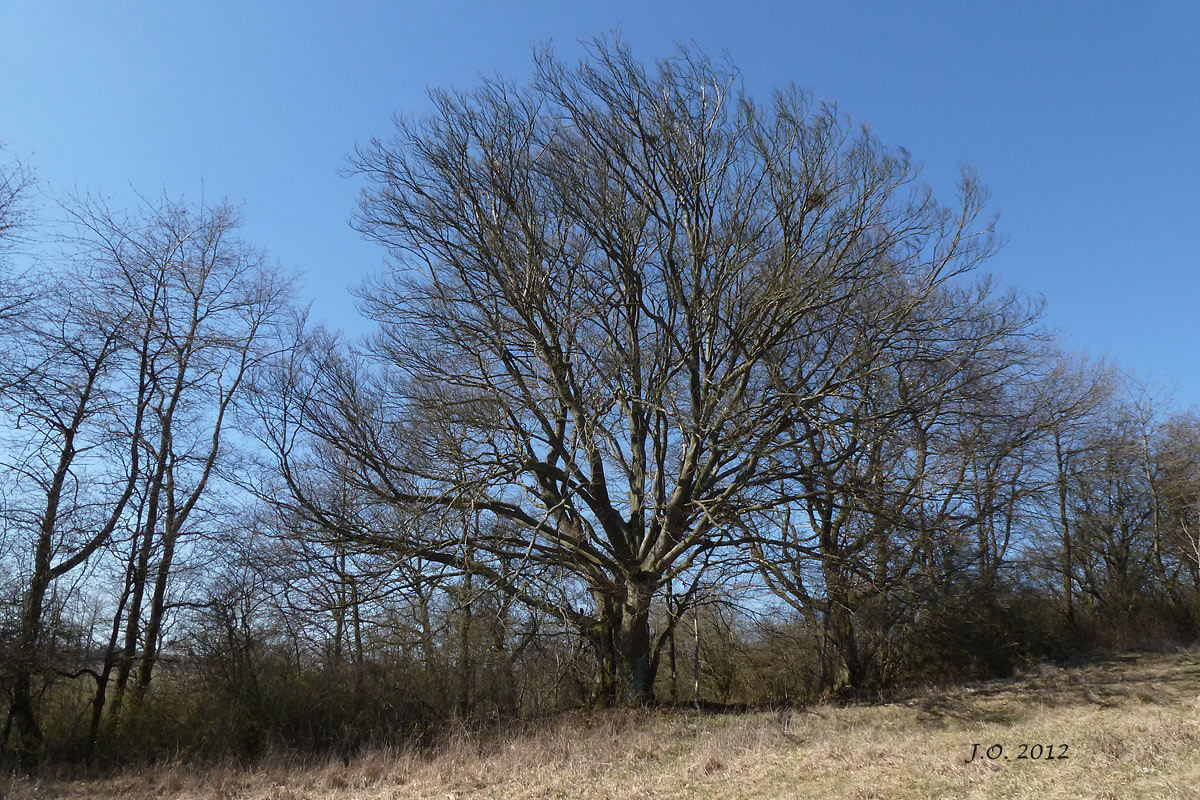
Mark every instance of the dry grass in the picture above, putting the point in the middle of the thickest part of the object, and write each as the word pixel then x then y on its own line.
pixel 1132 725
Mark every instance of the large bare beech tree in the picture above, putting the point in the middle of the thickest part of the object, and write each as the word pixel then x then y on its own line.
pixel 619 294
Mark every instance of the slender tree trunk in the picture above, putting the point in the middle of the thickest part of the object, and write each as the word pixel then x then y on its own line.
pixel 133 623
pixel 466 677
pixel 696 656
pixel 508 697
pixel 141 574
pixel 671 645
pixel 22 713
pixel 110 654
pixel 1068 564
pixel 356 624
pixel 158 606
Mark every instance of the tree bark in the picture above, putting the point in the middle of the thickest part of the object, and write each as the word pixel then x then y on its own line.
pixel 23 716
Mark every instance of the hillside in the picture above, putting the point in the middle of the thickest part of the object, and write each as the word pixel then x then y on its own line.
pixel 1130 726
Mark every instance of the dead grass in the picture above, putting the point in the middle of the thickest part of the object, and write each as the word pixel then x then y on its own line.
pixel 1132 725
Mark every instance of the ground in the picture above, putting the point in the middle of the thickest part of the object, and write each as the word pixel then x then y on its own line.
pixel 1129 727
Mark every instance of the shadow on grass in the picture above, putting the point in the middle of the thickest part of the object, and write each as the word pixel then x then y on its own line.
pixel 1146 679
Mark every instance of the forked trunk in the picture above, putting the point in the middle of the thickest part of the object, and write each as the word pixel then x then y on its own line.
pixel 622 643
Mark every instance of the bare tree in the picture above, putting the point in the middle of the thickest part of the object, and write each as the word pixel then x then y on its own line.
pixel 119 385
pixel 77 414
pixel 618 292
pixel 920 456
pixel 1177 458
pixel 207 304
pixel 15 184
pixel 1075 394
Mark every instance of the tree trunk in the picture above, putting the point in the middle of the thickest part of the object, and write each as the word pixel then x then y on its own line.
pixel 848 672
pixel 158 608
pixel 22 713
pixel 622 641
pixel 110 654
pixel 133 625
pixel 634 655
pixel 466 666
pixel 671 646
pixel 1067 563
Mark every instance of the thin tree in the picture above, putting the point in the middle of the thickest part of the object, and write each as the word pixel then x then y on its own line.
pixel 204 306
pixel 77 404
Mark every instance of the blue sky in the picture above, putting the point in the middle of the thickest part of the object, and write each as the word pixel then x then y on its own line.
pixel 1083 118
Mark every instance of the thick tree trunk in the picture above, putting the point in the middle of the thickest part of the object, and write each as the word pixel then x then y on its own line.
pixel 847 671
pixel 636 679
pixel 847 674
pixel 622 641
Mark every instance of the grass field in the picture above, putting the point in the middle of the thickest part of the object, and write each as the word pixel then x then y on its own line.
pixel 1130 726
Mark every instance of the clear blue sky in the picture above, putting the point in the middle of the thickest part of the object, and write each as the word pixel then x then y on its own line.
pixel 1083 118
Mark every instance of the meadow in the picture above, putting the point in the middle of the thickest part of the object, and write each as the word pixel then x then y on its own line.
pixel 1124 727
